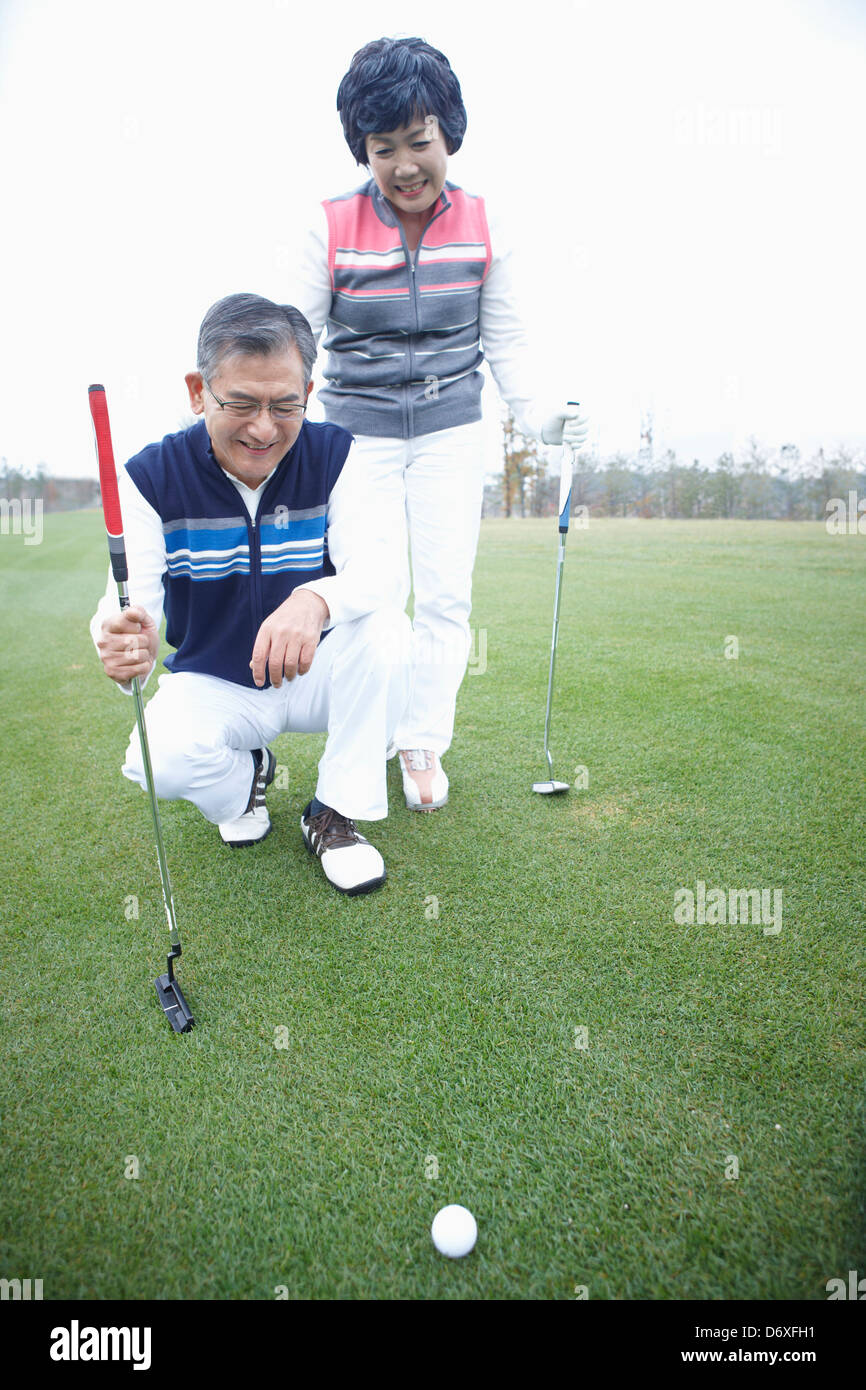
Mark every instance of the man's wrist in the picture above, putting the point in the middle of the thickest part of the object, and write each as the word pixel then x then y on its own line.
pixel 325 610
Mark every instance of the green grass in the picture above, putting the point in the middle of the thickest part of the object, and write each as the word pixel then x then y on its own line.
pixel 411 1037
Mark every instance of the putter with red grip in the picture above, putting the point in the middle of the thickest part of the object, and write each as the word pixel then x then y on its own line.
pixel 169 992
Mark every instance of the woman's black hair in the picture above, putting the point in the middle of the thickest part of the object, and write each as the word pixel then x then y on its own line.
pixel 392 82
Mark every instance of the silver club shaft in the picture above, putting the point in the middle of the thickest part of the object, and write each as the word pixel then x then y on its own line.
pixel 559 562
pixel 167 895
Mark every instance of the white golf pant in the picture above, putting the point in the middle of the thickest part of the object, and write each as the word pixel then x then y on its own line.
pixel 201 730
pixel 430 491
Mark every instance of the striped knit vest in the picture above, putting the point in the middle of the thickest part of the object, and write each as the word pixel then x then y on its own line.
pixel 403 338
pixel 225 573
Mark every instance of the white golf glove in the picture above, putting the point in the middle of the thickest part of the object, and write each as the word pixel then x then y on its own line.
pixel 567 427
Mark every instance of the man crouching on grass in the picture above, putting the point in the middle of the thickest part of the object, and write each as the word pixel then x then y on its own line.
pixel 252 531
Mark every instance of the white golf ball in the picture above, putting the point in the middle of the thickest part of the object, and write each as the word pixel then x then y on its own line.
pixel 454 1231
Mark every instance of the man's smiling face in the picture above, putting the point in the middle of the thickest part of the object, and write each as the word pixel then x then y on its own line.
pixel 250 445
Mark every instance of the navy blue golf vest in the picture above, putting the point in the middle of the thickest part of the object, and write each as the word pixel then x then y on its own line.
pixel 225 572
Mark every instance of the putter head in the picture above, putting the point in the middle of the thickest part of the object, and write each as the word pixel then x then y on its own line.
pixel 548 788
pixel 174 1006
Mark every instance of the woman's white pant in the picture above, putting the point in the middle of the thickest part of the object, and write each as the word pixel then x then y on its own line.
pixel 429 491
pixel 201 730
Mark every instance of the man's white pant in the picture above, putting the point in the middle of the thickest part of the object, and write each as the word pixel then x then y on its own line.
pixel 201 730
pixel 430 489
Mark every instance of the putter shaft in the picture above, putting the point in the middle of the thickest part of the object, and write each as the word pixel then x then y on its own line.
pixel 167 895
pixel 559 564
pixel 565 484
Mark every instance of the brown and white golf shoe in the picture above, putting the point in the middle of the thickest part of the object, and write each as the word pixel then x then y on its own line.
pixel 349 861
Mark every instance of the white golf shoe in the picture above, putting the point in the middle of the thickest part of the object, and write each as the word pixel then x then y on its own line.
pixel 424 782
pixel 350 862
pixel 255 823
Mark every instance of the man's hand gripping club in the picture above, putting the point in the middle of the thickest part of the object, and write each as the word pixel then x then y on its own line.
pixel 128 645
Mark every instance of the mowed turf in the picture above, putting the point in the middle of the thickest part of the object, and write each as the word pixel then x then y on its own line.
pixel 630 1105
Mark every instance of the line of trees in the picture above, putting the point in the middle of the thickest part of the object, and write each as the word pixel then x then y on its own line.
pixel 761 485
pixel 764 484
pixel 57 494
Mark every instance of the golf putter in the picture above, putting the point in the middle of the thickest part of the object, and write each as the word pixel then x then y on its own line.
pixel 168 991
pixel 550 786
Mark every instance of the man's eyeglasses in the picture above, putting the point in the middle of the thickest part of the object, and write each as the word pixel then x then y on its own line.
pixel 249 410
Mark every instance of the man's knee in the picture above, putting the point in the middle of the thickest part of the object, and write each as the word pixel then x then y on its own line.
pixel 387 634
pixel 176 768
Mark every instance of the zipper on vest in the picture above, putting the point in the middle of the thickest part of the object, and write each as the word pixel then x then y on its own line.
pixel 255 576
pixel 408 420
pixel 255 551
pixel 411 258
pixel 413 283
pixel 257 603
pixel 416 302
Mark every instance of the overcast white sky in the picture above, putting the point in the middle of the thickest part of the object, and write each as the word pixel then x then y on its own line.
pixel 683 180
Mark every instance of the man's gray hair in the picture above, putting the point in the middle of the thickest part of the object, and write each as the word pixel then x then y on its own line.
pixel 251 325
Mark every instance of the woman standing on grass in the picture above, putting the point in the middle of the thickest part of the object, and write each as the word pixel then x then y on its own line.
pixel 415 290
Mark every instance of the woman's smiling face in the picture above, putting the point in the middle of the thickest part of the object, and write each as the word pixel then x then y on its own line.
pixel 409 164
